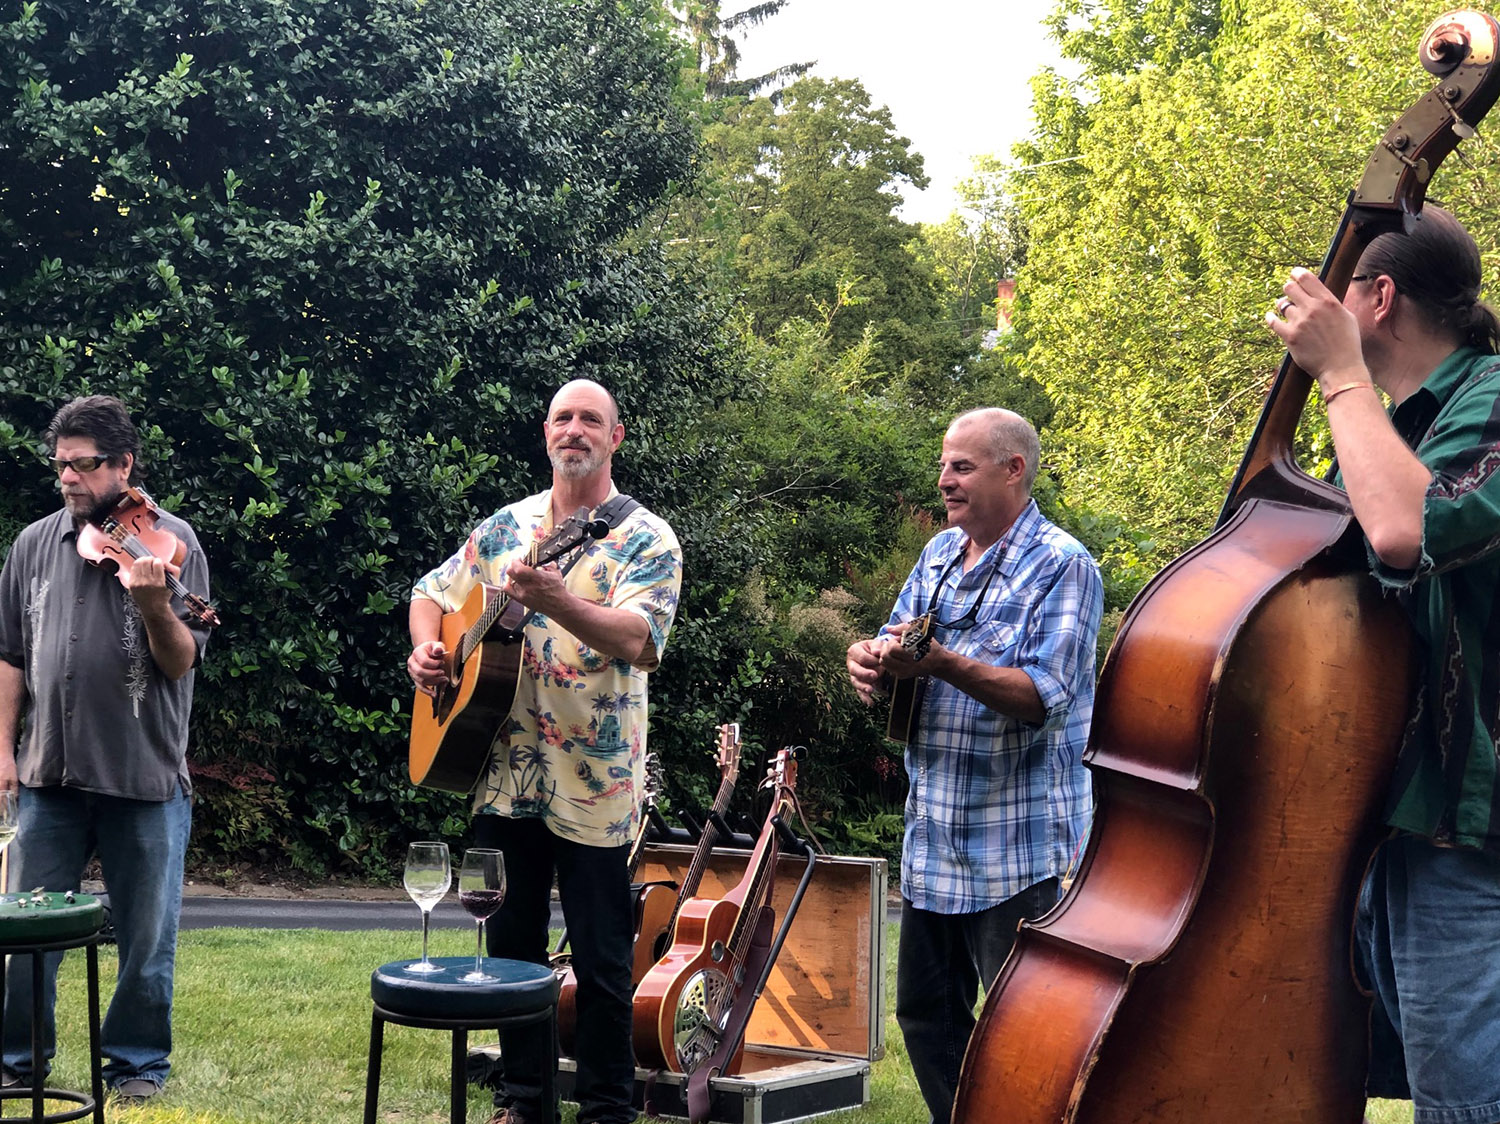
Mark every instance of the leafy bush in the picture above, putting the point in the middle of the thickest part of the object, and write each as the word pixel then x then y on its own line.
pixel 335 255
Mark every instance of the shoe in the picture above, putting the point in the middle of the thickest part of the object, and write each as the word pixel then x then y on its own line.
pixel 9 1079
pixel 507 1116
pixel 137 1089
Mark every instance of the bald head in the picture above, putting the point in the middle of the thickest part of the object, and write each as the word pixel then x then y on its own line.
pixel 1004 434
pixel 569 390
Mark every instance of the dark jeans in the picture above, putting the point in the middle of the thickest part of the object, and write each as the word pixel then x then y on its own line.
pixel 942 960
pixel 599 913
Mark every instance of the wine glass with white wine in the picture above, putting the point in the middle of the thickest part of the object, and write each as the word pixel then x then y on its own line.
pixel 10 823
pixel 428 875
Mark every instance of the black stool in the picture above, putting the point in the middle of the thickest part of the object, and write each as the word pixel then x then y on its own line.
pixel 523 994
pixel 46 923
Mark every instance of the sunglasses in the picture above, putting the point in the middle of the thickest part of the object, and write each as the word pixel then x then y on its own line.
pixel 80 464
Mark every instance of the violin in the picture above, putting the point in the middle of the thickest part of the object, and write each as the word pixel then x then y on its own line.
pixel 127 532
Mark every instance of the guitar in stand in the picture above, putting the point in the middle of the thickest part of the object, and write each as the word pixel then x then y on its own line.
pixel 906 694
pixel 653 943
pixel 452 729
pixel 682 1007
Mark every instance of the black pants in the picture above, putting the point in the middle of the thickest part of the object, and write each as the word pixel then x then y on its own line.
pixel 598 911
pixel 942 960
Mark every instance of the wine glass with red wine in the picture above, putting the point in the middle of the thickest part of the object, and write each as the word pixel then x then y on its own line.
pixel 481 889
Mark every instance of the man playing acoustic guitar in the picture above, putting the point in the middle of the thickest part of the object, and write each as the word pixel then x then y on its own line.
pixel 562 790
pixel 999 797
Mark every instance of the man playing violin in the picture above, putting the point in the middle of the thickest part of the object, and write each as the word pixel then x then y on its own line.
pixel 563 788
pixel 102 669
pixel 999 798
pixel 1423 482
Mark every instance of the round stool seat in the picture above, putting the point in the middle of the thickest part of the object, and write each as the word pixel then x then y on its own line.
pixel 521 988
pixel 26 921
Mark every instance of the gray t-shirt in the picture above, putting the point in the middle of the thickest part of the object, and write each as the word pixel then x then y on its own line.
pixel 102 716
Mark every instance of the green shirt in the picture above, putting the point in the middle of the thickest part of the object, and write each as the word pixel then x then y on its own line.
pixel 1446 778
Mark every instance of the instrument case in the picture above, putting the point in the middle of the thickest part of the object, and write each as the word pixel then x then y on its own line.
pixel 819 1023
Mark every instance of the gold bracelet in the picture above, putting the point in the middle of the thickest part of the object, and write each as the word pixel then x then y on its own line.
pixel 1336 391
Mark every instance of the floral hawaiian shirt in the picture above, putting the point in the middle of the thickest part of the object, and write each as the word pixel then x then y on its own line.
pixel 572 752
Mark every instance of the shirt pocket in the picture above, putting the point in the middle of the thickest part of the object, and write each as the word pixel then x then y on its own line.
pixel 994 641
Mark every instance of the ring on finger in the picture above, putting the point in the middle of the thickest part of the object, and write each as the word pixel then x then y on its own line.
pixel 1282 305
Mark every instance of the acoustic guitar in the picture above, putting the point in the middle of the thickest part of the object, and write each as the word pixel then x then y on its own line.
pixel 656 903
pixel 682 1007
pixel 452 729
pixel 906 694
pixel 654 934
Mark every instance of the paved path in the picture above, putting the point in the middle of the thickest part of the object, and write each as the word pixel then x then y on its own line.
pixel 203 912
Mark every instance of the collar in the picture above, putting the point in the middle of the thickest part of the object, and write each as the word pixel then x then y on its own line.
pixel 1414 416
pixel 1005 553
pixel 539 506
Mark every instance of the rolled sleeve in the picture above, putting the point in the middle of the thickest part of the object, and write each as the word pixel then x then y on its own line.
pixel 1060 647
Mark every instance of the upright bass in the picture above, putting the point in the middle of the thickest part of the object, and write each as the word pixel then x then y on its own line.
pixel 1198 970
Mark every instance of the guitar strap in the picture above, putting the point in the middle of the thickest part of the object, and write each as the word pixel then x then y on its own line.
pixel 610 513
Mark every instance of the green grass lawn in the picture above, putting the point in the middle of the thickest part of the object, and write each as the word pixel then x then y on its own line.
pixel 272 1027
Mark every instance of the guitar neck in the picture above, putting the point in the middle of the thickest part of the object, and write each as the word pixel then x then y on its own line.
pixel 754 888
pixel 694 875
pixel 492 612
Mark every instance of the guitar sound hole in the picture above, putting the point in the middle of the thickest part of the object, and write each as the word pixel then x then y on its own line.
pixel 702 1010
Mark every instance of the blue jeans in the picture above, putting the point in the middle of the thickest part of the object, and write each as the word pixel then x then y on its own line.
pixel 599 911
pixel 141 845
pixel 941 960
pixel 1427 933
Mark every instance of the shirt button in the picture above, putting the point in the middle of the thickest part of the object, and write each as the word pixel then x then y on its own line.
pixel 74 636
pixel 80 600
pixel 68 676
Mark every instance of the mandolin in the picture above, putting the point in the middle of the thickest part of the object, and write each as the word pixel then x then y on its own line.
pixel 682 1007
pixel 906 694
pixel 451 730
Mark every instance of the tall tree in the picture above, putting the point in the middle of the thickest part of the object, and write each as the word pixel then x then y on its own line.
pixel 799 210
pixel 1178 190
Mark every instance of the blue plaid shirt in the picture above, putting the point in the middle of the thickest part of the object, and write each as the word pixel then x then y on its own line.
pixel 997 804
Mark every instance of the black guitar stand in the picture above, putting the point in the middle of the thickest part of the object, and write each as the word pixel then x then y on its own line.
pixel 760 962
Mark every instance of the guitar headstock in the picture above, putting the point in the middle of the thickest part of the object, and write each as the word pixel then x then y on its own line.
pixel 918 635
pixel 781 774
pixel 729 752
pixel 570 533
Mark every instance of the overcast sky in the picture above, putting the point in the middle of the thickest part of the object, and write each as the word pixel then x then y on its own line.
pixel 954 73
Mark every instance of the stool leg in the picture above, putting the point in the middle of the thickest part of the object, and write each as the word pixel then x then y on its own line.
pixel 37 1080
pixel 549 1071
pixel 372 1073
pixel 458 1092
pixel 95 1071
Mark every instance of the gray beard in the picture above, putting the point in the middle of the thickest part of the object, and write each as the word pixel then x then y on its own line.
pixel 575 469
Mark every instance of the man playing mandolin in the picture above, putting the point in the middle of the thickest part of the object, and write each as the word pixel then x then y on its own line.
pixel 1423 482
pixel 562 790
pixel 999 798
pixel 108 673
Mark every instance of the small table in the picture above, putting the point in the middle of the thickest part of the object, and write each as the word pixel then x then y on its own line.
pixel 33 925
pixel 522 994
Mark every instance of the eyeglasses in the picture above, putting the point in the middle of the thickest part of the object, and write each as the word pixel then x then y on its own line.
pixel 1364 277
pixel 969 619
pixel 80 464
